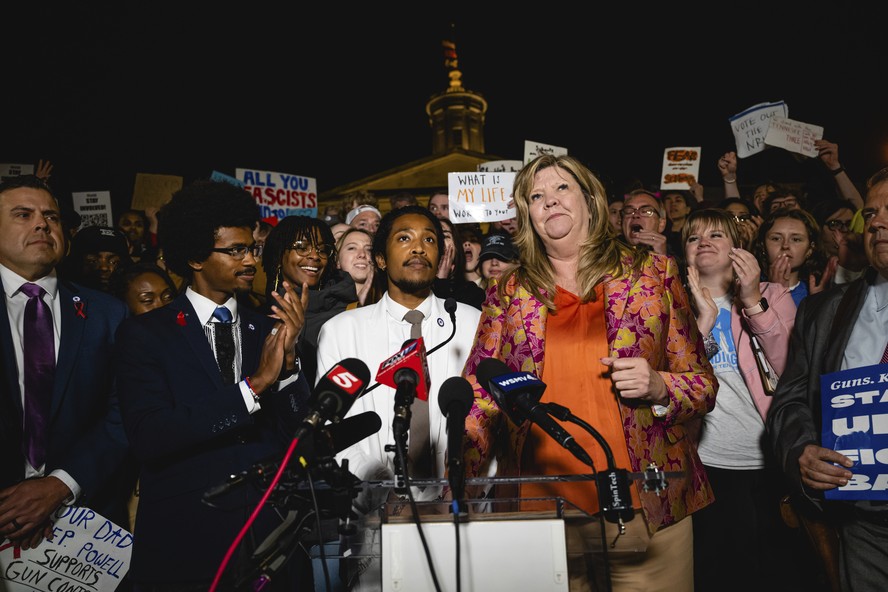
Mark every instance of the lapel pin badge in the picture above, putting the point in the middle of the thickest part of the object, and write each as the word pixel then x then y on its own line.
pixel 79 307
pixel 180 319
pixel 440 322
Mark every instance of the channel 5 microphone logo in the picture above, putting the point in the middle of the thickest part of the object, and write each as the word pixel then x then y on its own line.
pixel 344 379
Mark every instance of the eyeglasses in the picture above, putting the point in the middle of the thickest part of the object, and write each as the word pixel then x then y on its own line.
pixel 643 210
pixel 240 251
pixel 784 203
pixel 839 225
pixel 741 218
pixel 304 249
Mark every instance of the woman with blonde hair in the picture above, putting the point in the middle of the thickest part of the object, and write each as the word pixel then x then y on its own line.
pixel 609 329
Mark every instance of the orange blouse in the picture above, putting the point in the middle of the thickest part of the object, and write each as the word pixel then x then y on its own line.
pixel 575 341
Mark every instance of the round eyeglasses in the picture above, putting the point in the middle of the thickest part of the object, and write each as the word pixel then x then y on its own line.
pixel 304 249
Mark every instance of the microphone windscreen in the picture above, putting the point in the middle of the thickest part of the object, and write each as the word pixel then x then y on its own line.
pixel 450 305
pixel 455 395
pixel 352 430
pixel 337 390
pixel 490 368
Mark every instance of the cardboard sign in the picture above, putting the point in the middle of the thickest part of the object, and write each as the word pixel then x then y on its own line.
pixel 855 422
pixel 681 168
pixel 480 197
pixel 279 195
pixel 794 136
pixel 751 126
pixel 87 553
pixel 152 191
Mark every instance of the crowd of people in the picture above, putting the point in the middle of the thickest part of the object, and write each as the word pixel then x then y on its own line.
pixel 147 362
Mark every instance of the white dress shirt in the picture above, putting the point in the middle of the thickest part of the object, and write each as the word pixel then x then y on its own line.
pixel 374 333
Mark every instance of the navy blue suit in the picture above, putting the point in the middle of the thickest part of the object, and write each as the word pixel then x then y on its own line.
pixel 190 431
pixel 86 436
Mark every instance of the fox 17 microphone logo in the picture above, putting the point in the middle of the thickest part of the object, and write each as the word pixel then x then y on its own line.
pixel 344 379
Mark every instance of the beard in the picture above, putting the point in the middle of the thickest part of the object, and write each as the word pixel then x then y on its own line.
pixel 411 286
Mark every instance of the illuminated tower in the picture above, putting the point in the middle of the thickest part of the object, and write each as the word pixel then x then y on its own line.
pixel 456 115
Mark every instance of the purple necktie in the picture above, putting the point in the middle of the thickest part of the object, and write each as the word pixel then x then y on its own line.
pixel 39 353
pixel 884 359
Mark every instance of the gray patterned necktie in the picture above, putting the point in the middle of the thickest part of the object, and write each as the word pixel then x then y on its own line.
pixel 419 450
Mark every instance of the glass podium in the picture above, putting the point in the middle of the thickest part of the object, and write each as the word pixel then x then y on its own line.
pixel 498 542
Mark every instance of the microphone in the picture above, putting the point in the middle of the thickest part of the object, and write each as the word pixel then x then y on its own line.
pixel 614 498
pixel 518 395
pixel 450 307
pixel 408 373
pixel 335 393
pixel 409 364
pixel 455 400
pixel 340 436
pixel 352 430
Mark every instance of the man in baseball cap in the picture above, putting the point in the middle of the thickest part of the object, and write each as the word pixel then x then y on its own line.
pixel 365 217
pixel 96 253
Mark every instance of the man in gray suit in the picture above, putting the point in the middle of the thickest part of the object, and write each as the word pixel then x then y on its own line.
pixel 842 328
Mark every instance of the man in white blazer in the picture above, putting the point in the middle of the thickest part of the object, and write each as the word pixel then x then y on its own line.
pixel 406 249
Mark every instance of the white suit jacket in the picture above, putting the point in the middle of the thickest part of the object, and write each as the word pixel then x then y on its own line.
pixel 373 334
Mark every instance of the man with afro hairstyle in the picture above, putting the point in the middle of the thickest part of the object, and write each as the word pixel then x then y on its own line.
pixel 208 389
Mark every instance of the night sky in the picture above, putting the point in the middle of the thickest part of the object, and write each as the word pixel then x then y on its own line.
pixel 185 91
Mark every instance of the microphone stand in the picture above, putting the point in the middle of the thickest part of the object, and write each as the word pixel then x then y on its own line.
pixel 562 413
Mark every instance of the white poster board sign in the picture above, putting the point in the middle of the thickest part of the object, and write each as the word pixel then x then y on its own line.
pixel 279 195
pixel 534 149
pixel 500 166
pixel 681 167
pixel 480 197
pixel 87 553
pixel 751 126
pixel 794 136
pixel 14 170
pixel 94 208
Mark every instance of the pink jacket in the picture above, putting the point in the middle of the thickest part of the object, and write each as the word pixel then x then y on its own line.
pixel 772 328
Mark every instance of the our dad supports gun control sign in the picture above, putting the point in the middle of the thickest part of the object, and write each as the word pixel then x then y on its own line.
pixel 855 423
pixel 88 553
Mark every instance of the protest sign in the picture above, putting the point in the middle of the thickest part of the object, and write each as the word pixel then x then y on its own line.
pixel 500 166
pixel 152 191
pixel 88 553
pixel 94 208
pixel 480 197
pixel 534 149
pixel 223 178
pixel 681 168
pixel 794 136
pixel 854 407
pixel 751 126
pixel 279 195
pixel 14 170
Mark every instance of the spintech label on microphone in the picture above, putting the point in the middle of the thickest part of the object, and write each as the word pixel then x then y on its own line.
pixel 343 378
